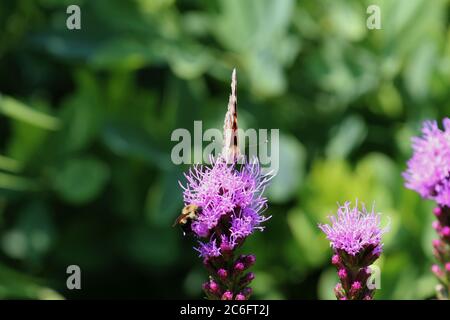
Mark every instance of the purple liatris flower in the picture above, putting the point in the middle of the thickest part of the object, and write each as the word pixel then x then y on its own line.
pixel 229 195
pixel 229 202
pixel 428 173
pixel 355 236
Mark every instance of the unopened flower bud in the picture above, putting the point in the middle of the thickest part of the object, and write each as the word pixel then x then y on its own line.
pixel 239 267
pixel 250 260
pixel 239 296
pixel 436 243
pixel 247 292
pixel 339 291
pixel 437 211
pixel 249 277
pixel 342 273
pixel 356 286
pixel 227 295
pixel 436 225
pixel 213 286
pixel 335 260
pixel 222 273
pixel 447 267
pixel 445 231
pixel 436 270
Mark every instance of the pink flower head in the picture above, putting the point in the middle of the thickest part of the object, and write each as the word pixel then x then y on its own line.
pixel 353 230
pixel 231 202
pixel 428 171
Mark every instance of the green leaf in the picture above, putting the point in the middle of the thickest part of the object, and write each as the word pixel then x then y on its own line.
pixel 32 235
pixel 26 142
pixel 349 135
pixel 125 54
pixel 19 111
pixel 15 285
pixel 132 142
pixel 290 170
pixel 327 281
pixel 258 30
pixel 421 66
pixel 15 183
pixel 164 200
pixel 265 286
pixel 80 180
pixel 82 115
pixel 347 20
pixel 189 61
pixel 309 237
pixel 150 247
pixel 9 164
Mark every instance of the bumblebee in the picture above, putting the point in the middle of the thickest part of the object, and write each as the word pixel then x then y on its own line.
pixel 188 214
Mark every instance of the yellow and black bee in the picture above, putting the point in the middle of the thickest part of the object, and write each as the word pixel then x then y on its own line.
pixel 188 214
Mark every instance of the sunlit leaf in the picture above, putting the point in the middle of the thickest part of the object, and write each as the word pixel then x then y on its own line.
pixel 290 165
pixel 19 111
pixel 9 164
pixel 16 183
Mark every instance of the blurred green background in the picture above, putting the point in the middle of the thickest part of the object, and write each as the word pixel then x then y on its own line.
pixel 86 117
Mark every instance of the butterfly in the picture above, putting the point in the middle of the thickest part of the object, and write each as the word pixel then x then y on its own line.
pixel 230 150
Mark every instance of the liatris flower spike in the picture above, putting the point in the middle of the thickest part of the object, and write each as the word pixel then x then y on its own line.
pixel 226 206
pixel 355 236
pixel 428 173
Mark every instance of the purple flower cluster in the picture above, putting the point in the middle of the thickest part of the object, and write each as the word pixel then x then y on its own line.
pixel 355 236
pixel 441 250
pixel 228 280
pixel 231 203
pixel 428 171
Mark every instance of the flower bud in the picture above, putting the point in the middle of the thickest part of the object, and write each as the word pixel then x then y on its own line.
pixel 447 267
pixel 222 273
pixel 339 291
pixel 342 273
pixel 211 289
pixel 436 225
pixel 436 244
pixel 436 270
pixel 250 260
pixel 240 296
pixel 335 260
pixel 239 267
pixel 445 231
pixel 227 295
pixel 356 286
pixel 247 292
pixel 213 286
pixel 437 211
pixel 249 277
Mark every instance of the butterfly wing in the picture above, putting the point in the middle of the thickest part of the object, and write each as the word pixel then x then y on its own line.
pixel 230 150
